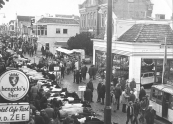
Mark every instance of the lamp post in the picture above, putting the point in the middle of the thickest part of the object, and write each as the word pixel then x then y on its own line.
pixel 107 110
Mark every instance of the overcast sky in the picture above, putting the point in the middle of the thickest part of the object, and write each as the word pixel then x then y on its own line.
pixel 68 7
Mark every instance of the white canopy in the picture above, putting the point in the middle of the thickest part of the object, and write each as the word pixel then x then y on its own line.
pixel 64 50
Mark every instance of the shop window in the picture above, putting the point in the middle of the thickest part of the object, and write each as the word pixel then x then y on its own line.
pixel 64 31
pixel 160 94
pixel 154 93
pixel 151 74
pixel 145 75
pixel 42 29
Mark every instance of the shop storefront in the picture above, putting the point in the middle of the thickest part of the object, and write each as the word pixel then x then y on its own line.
pixel 136 52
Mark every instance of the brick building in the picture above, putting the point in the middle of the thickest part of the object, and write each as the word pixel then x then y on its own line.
pixel 93 13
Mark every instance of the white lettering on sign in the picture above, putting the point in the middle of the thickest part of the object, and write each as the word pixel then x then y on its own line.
pixel 14 112
pixel 81 88
pixel 56 68
pixel 14 85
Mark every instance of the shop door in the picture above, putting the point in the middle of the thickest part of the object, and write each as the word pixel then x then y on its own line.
pixel 165 105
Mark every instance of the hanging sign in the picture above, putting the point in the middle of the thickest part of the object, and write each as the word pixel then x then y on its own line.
pixel 14 112
pixel 81 88
pixel 56 68
pixel 14 85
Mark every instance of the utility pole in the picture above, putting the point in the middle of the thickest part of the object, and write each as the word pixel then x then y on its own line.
pixel 107 110
pixel 172 14
pixel 164 59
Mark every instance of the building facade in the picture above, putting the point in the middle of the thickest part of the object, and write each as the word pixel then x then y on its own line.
pixel 23 25
pixel 93 13
pixel 55 31
pixel 137 49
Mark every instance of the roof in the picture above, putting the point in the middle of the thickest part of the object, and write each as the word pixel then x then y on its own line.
pixel 25 18
pixel 165 88
pixel 58 20
pixel 68 16
pixel 145 33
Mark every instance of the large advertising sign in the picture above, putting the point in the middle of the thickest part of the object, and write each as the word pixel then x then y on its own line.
pixel 14 112
pixel 14 85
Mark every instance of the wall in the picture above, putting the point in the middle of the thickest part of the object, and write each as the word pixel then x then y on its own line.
pixel 52 37
pixel 72 30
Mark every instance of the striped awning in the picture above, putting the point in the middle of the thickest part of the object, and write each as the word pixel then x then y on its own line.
pixel 165 88
pixel 120 52
pixel 168 90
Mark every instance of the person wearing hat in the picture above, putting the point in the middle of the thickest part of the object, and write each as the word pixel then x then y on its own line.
pixel 130 112
pixel 45 116
pixel 39 119
pixel 50 111
pixel 34 91
pixel 136 107
pixel 103 92
pixel 150 115
pixel 132 97
pixel 117 92
pixel 124 100
pixel 91 87
pixel 99 90
pixel 142 93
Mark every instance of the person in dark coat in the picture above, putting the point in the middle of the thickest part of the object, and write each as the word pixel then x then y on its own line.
pixel 62 71
pixel 136 107
pixel 117 92
pixel 43 102
pixel 84 71
pixel 150 115
pixel 130 112
pixel 45 116
pixel 123 84
pixel 115 80
pixel 90 71
pixel 102 93
pixel 80 76
pixel 91 87
pixel 39 119
pixel 142 93
pixel 98 90
pixel 94 72
pixel 74 76
pixel 132 97
pixel 77 76
pixel 87 95
pixel 42 50
pixel 132 84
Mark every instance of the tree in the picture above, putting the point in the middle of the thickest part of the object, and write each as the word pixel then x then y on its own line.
pixel 81 41
pixel 2 3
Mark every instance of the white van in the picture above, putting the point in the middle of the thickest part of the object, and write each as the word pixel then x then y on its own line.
pixel 147 78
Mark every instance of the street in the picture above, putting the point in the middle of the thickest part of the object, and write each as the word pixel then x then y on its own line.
pixel 117 117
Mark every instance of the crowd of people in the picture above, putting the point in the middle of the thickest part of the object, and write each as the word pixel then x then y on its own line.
pixel 123 92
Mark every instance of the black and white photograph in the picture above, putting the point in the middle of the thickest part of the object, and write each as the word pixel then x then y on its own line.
pixel 86 61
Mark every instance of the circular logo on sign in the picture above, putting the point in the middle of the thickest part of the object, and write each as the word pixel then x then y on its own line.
pixel 14 85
